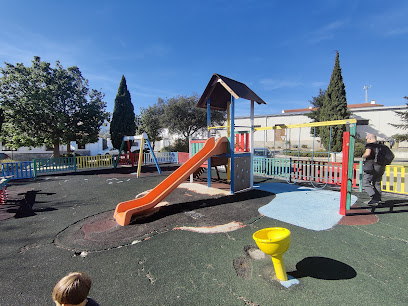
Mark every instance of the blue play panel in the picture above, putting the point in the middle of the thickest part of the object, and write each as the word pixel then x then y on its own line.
pixel 315 209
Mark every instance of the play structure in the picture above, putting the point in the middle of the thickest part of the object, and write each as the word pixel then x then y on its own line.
pixel 275 242
pixel 220 94
pixel 139 140
pixel 234 150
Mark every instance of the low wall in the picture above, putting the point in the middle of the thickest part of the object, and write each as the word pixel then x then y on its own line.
pixel 25 156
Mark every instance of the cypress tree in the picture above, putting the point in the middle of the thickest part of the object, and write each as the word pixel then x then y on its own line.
pixel 334 108
pixel 123 118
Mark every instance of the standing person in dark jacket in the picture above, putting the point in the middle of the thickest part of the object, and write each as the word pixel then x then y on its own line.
pixel 372 171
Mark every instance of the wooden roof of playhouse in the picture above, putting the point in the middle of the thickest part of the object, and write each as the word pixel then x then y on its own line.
pixel 220 89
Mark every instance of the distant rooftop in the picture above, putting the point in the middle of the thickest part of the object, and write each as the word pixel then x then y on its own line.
pixel 310 108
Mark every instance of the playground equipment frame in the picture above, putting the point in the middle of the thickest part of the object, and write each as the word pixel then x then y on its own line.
pixel 348 153
pixel 143 137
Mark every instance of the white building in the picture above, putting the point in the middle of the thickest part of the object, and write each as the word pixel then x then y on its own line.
pixel 372 118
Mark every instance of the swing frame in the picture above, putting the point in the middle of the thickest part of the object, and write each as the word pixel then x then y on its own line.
pixel 351 124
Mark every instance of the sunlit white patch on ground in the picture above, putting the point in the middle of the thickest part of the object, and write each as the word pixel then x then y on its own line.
pixel 224 228
pixel 202 189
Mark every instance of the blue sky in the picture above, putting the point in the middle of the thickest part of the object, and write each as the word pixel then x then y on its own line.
pixel 283 50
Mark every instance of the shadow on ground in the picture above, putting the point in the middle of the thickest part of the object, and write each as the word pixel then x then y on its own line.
pixel 166 211
pixel 23 208
pixel 323 268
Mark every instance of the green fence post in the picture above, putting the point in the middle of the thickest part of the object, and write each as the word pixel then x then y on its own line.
pixel 350 164
pixel 290 169
pixel 35 169
pixel 360 177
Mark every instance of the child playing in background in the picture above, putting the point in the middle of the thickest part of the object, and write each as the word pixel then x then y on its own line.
pixel 72 290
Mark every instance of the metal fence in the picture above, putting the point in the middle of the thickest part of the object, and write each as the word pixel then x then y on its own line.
pixel 162 157
pixel 42 166
pixel 393 179
pixel 17 170
pixel 303 170
pixel 273 167
pixel 98 161
pixel 54 165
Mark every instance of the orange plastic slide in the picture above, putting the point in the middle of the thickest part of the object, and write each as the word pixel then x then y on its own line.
pixel 125 210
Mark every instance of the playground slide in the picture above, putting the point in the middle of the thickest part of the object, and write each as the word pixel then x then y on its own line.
pixel 125 210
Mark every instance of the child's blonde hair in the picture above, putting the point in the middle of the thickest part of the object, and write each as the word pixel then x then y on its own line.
pixel 72 289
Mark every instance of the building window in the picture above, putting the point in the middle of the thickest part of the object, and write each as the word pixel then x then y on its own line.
pixel 362 122
pixel 280 133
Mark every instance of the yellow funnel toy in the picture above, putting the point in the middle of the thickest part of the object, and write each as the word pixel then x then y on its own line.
pixel 274 241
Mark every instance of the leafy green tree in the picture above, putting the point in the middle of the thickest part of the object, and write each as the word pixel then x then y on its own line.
pixel 334 108
pixel 150 121
pixel 183 117
pixel 123 118
pixel 317 103
pixel 404 126
pixel 45 105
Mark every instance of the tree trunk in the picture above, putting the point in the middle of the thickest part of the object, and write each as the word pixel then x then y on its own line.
pixel 56 144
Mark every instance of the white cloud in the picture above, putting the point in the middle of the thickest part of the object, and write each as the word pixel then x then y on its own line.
pixel 271 84
pixel 326 32
pixel 319 84
pixel 21 46
pixel 397 31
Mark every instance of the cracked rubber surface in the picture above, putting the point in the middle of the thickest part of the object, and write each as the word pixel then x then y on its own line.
pixel 186 208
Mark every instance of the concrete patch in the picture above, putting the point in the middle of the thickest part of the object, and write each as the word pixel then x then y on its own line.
pixel 256 254
pixel 224 228
pixel 309 208
pixel 202 189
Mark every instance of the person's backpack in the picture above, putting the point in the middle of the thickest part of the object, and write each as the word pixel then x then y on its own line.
pixel 383 155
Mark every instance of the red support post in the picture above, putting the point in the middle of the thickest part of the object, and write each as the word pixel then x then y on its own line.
pixel 246 142
pixel 344 173
pixel 130 153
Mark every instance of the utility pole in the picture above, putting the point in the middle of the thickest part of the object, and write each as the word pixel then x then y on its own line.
pixel 366 92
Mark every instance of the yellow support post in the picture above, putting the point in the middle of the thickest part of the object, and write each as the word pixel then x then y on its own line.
pixel 139 165
pixel 311 124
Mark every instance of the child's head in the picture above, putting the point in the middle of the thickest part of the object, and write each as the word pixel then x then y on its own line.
pixel 72 289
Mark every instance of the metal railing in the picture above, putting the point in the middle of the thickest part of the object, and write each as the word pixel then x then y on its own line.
pixel 162 157
pixel 274 167
pixel 303 170
pixel 98 161
pixel 32 169
pixel 393 179
pixel 54 165
pixel 17 170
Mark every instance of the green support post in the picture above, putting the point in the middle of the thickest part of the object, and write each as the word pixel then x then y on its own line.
pixel 35 169
pixel 350 164
pixel 75 164
pixel 360 176
pixel 115 163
